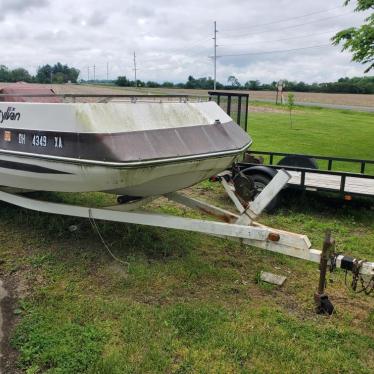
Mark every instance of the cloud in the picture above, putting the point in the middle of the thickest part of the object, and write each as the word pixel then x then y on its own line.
pixel 174 39
pixel 22 5
pixel 97 18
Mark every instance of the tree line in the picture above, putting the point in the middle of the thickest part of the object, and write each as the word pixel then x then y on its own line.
pixel 57 73
pixel 362 85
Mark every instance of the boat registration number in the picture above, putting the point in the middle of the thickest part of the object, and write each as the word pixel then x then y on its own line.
pixel 42 140
pixel 39 140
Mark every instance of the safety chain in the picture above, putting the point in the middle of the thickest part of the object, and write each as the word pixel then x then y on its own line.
pixel 359 282
pixel 332 262
pixel 367 286
pixel 106 246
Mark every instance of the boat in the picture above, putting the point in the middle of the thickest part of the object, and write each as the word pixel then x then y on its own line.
pixel 130 146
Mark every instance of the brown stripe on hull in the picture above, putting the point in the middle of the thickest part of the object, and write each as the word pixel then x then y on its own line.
pixel 127 146
pixel 29 168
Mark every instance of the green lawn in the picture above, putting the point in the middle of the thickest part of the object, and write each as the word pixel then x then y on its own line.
pixel 189 303
pixel 316 131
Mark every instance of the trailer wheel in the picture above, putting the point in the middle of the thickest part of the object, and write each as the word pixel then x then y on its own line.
pixel 299 161
pixel 260 181
pixel 244 186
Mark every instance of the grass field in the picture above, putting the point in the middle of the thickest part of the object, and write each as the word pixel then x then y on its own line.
pixel 324 98
pixel 189 303
pixel 315 131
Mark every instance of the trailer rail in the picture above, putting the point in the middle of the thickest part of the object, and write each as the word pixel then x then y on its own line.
pixel 344 183
pixel 330 160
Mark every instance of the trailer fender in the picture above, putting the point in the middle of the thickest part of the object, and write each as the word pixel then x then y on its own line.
pixel 260 169
pixel 261 176
pixel 299 161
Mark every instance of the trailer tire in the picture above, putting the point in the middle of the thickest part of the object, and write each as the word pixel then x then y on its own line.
pixel 299 161
pixel 260 181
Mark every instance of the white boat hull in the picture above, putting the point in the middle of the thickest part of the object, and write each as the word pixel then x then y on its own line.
pixel 137 181
pixel 137 149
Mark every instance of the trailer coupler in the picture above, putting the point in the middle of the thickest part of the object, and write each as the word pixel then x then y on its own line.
pixel 359 283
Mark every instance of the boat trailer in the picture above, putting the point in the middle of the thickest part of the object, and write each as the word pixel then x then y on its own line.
pixel 238 226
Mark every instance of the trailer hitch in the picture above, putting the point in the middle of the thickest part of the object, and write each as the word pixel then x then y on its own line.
pixel 359 283
pixel 329 260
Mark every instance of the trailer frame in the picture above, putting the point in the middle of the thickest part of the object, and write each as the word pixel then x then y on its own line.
pixel 238 226
pixel 364 181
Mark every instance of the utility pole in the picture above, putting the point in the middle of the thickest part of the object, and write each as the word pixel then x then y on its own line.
pixel 94 72
pixel 107 72
pixel 136 82
pixel 215 54
pixel 88 73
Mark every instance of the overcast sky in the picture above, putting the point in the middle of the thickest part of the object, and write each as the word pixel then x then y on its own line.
pixel 173 39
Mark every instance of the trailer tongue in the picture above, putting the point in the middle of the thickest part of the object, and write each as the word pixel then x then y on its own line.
pixel 240 226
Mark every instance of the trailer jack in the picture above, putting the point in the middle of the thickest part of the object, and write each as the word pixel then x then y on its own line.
pixel 323 304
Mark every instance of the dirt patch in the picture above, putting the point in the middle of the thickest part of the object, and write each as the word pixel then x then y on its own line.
pixel 264 109
pixel 9 356
pixel 323 98
pixel 309 97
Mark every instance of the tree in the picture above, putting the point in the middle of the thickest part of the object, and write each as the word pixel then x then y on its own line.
pixel 191 82
pixel 58 74
pixel 20 75
pixel 360 41
pixel 252 85
pixel 233 81
pixel 44 74
pixel 58 78
pixel 152 84
pixel 291 104
pixel 4 74
pixel 73 74
pixel 139 83
pixel 167 84
pixel 122 82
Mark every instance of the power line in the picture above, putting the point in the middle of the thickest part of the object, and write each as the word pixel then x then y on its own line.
pixel 177 50
pixel 169 67
pixel 284 20
pixel 287 27
pixel 280 40
pixel 239 54
pixel 247 53
pixel 275 51
pixel 202 53
pixel 291 26
pixel 204 39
